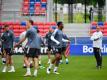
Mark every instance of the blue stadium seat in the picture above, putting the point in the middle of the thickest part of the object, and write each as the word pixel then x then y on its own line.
pixel 100 24
pixel 93 27
pixel 31 6
pixel 37 0
pixel 32 1
pixel 43 5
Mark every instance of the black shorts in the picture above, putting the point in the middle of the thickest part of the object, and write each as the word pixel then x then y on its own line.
pixel 49 48
pixel 32 52
pixel 57 50
pixel 63 49
pixel 8 51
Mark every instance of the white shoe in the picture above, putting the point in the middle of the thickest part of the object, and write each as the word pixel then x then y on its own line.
pixel 11 70
pixel 27 74
pixel 4 70
pixel 48 71
pixel 49 62
pixel 35 74
pixel 56 72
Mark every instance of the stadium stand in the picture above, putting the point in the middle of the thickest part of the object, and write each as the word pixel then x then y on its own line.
pixel 34 7
pixel 18 28
pixel 103 26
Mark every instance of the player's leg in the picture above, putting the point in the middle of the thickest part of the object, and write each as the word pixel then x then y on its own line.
pixel 49 54
pixel 36 61
pixel 11 64
pixel 96 54
pixel 99 59
pixel 7 63
pixel 3 56
pixel 40 64
pixel 58 57
pixel 36 65
pixel 52 62
pixel 26 60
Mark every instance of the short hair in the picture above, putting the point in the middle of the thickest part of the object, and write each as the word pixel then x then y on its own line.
pixel 31 22
pixel 58 23
pixel 5 26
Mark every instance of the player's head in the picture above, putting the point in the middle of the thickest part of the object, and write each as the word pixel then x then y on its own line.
pixel 97 28
pixel 29 23
pixel 60 25
pixel 6 27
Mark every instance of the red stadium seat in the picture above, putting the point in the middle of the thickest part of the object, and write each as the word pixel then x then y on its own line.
pixel 16 31
pixel 53 23
pixel 94 23
pixel 47 26
pixel 26 1
pixel 17 26
pixel 105 23
pixel 40 25
pixel 43 1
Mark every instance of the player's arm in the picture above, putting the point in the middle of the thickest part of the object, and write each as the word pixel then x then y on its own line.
pixel 95 37
pixel 2 37
pixel 65 38
pixel 53 37
pixel 23 39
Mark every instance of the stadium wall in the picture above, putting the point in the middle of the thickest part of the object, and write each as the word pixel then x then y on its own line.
pixel 83 46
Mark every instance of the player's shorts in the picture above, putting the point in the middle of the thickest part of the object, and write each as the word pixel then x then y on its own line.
pixel 32 52
pixel 57 50
pixel 63 49
pixel 8 51
pixel 49 48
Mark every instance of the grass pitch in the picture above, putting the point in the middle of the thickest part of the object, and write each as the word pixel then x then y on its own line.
pixel 79 68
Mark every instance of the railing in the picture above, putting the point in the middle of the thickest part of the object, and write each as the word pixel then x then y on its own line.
pixel 84 40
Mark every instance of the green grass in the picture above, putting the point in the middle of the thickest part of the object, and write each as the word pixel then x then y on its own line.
pixel 79 68
pixel 78 18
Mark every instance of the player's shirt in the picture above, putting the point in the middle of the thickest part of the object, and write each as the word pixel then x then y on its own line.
pixel 22 35
pixel 39 41
pixel 64 44
pixel 97 39
pixel 31 35
pixel 48 39
pixel 7 39
pixel 58 36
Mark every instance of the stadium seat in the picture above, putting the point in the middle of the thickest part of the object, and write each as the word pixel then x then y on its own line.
pixel 93 27
pixel 94 23
pixel 32 1
pixel 53 23
pixel 43 1
pixel 37 1
pixel 16 30
pixel 26 1
pixel 105 23
pixel 47 25
pixel 100 24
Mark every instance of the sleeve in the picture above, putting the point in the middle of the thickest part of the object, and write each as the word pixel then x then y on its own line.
pixel 2 37
pixel 65 38
pixel 13 37
pixel 53 37
pixel 27 33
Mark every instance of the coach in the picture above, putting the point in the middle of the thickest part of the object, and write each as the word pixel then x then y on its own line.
pixel 97 45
